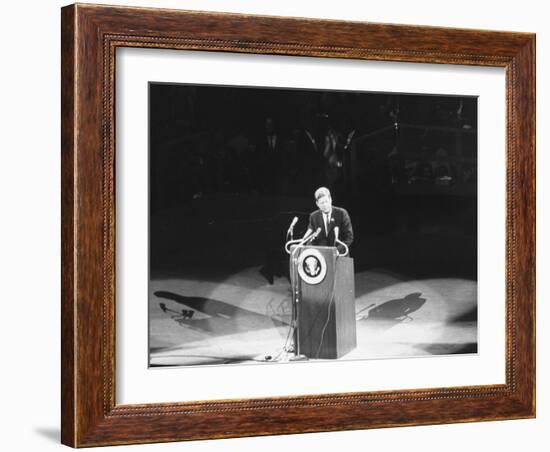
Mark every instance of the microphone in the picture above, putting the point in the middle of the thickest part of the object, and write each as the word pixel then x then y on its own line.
pixel 291 227
pixel 310 237
pixel 314 235
pixel 336 231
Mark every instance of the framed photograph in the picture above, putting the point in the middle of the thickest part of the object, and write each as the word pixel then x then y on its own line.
pixel 282 225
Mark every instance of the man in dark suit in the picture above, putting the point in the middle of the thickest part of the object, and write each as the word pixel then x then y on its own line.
pixel 327 218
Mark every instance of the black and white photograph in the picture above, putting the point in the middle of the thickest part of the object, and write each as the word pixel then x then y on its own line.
pixel 235 225
pixel 301 225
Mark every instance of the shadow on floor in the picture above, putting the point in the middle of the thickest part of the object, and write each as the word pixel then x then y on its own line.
pixel 448 349
pixel 208 359
pixel 223 318
pixel 397 310
pixel 468 316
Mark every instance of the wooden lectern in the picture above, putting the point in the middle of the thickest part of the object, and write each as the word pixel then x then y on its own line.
pixel 324 301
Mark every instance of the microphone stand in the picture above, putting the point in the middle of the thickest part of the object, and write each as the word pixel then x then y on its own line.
pixel 295 310
pixel 346 248
pixel 290 233
pixel 296 295
pixel 337 241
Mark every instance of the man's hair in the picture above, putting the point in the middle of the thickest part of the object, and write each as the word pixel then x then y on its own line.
pixel 320 192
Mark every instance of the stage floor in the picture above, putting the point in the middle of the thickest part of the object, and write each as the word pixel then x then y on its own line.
pixel 241 318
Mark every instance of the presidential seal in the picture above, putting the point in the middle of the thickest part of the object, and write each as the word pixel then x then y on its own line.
pixel 312 266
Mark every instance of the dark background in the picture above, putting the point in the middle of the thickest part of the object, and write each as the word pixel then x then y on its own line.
pixel 220 201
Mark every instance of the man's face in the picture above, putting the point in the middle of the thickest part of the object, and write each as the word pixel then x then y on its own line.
pixel 324 203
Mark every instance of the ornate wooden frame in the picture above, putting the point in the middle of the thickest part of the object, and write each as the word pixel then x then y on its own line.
pixel 90 35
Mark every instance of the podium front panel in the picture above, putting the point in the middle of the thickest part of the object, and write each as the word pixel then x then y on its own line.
pixel 326 308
